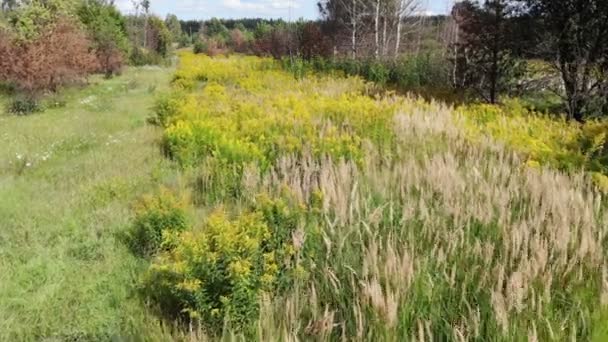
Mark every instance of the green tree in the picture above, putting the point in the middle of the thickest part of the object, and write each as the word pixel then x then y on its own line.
pixel 262 30
pixel 107 29
pixel 174 27
pixel 27 20
pixel 483 54
pixel 158 36
pixel 573 35
pixel 215 27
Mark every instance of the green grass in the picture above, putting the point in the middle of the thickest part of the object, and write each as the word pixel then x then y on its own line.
pixel 67 178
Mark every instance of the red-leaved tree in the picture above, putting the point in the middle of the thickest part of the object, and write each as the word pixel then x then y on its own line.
pixel 61 55
pixel 313 43
pixel 238 41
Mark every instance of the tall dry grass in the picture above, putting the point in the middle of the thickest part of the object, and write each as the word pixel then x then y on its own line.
pixel 444 240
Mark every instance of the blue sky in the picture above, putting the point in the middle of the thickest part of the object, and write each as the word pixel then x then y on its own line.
pixel 205 9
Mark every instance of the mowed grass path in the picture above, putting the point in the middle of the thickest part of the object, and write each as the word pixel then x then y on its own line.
pixel 67 179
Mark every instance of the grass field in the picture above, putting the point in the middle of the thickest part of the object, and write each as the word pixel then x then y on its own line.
pixel 67 179
pixel 271 208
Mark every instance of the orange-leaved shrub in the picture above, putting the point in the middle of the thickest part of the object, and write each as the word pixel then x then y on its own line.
pixel 61 55
pixel 238 40
pixel 110 60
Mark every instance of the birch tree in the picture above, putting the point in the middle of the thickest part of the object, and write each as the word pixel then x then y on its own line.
pixel 376 28
pixel 350 14
pixel 404 9
pixel 393 14
pixel 381 22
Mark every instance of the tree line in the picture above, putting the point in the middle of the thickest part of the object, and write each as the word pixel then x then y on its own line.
pixel 486 50
pixel 490 44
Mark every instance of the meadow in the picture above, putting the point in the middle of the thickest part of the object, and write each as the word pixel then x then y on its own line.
pixel 230 199
pixel 323 208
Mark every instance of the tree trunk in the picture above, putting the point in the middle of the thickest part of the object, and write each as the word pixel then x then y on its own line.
pixel 456 56
pixel 384 35
pixel 399 23
pixel 575 105
pixel 354 30
pixel 494 76
pixel 422 22
pixel 354 40
pixel 377 29
pixel 496 41
pixel 145 31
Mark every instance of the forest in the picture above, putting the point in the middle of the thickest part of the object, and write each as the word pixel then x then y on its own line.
pixel 374 173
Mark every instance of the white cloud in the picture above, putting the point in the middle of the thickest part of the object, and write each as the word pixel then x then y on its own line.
pixel 425 12
pixel 181 6
pixel 239 5
pixel 125 6
pixel 204 9
pixel 260 5
pixel 192 6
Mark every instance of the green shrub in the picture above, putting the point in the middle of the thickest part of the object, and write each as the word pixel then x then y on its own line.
pixel 417 71
pixel 422 73
pixel 350 67
pixel 298 67
pixel 159 37
pixel 165 108
pixel 376 71
pixel 7 88
pixel 23 106
pixel 594 144
pixel 200 46
pixel 140 57
pixel 184 40
pixel 156 216
pixel 106 28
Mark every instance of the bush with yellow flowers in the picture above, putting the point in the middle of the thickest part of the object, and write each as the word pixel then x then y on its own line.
pixel 165 108
pixel 542 139
pixel 246 109
pixel 157 216
pixel 249 110
pixel 219 271
pixel 594 141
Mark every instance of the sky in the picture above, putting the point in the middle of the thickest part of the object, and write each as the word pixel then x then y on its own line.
pixel 205 9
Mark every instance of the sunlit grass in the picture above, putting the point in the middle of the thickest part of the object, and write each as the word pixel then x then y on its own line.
pixel 67 178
